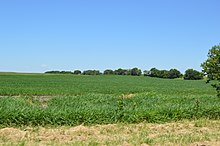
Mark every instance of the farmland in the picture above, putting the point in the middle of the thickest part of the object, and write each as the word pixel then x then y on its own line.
pixel 39 99
pixel 71 100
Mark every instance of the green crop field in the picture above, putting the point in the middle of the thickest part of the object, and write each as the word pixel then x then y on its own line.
pixel 42 99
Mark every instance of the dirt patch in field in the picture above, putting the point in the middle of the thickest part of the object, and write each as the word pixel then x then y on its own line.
pixel 130 95
pixel 42 100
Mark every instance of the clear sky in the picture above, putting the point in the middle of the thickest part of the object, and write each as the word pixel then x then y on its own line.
pixel 41 35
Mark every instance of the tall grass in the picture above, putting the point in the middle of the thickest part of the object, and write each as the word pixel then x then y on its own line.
pixel 104 109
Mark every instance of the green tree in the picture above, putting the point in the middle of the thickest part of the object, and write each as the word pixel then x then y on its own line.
pixel 77 72
pixel 174 73
pixel 191 74
pixel 135 72
pixel 108 72
pixel 91 72
pixel 121 71
pixel 147 73
pixel 163 74
pixel 154 72
pixel 211 67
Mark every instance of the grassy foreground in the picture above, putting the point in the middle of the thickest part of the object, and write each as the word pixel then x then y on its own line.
pixel 190 133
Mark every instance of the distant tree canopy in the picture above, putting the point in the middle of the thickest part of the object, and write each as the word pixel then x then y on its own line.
pixel 59 72
pixel 77 72
pixel 191 74
pixel 211 67
pixel 108 72
pixel 174 73
pixel 121 71
pixel 133 72
pixel 169 74
pixel 52 72
pixel 91 72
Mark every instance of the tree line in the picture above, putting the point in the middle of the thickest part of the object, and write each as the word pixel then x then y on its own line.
pixel 190 74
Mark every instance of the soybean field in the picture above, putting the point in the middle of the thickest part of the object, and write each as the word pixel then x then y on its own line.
pixel 49 99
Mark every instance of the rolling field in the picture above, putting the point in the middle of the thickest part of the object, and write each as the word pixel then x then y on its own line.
pixel 54 101
pixel 39 99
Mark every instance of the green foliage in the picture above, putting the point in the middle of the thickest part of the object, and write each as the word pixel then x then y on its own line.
pixel 52 72
pixel 211 67
pixel 59 72
pixel 174 73
pixel 77 72
pixel 135 72
pixel 121 71
pixel 171 74
pixel 191 74
pixel 91 72
pixel 108 72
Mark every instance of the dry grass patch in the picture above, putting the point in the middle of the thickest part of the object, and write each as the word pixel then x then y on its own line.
pixel 199 132
pixel 130 95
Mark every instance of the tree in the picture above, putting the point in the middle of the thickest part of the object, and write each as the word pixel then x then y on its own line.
pixel 77 72
pixel 121 71
pixel 52 72
pixel 174 73
pixel 66 72
pixel 191 74
pixel 59 72
pixel 154 72
pixel 147 73
pixel 135 72
pixel 108 72
pixel 91 72
pixel 163 73
pixel 211 67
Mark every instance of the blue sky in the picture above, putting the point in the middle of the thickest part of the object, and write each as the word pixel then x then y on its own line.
pixel 41 35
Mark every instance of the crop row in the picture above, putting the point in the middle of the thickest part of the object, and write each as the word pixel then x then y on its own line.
pixel 104 109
